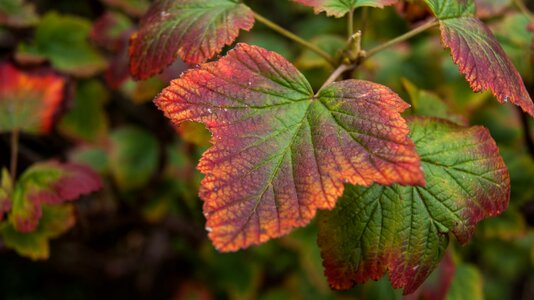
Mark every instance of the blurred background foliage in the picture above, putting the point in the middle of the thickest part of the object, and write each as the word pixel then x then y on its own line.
pixel 143 237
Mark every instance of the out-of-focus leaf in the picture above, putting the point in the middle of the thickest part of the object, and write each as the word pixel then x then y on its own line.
pixel 280 152
pixel 331 44
pixel 515 39
pixel 405 230
pixel 134 8
pixel 48 183
pixel 521 166
pixel 86 120
pixel 338 8
pixel 491 8
pixel 6 188
pixel 64 41
pixel 18 13
pixel 28 101
pixel 478 54
pixel 194 30
pixel 142 91
pixel 93 156
pixel 195 133
pixel 55 221
pixel 466 284
pixel 425 103
pixel 270 41
pixel 107 31
pixel 133 158
pixel 438 283
pixel 508 226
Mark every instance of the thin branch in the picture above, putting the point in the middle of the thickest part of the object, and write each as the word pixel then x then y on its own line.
pixel 402 38
pixel 340 70
pixel 14 153
pixel 295 38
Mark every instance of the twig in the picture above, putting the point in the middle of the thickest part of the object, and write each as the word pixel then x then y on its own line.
pixel 14 153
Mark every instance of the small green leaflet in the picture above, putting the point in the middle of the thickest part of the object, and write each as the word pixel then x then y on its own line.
pixel 338 8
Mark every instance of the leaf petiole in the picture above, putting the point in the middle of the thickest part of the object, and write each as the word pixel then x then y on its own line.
pixel 523 8
pixel 294 37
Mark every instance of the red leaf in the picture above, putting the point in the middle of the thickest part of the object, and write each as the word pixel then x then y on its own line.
pixel 28 101
pixel 279 152
pixel 49 183
pixel 195 30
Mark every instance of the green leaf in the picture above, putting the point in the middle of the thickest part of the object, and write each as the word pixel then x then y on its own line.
pixel 194 30
pixel 133 158
pixel 280 152
pixel 86 120
pixel 466 284
pixel 425 103
pixel 478 54
pixel 55 221
pixel 64 41
pixel 92 156
pixel 48 183
pixel 338 8
pixel 405 230
pixel 134 8
pixel 17 13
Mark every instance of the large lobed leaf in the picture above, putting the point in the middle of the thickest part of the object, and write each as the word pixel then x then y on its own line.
pixel 194 30
pixel 279 152
pixel 478 54
pixel 28 101
pixel 48 183
pixel 405 230
pixel 338 8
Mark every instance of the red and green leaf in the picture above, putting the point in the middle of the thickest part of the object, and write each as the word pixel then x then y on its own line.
pixel 109 30
pixel 28 101
pixel 194 30
pixel 55 221
pixel 48 183
pixel 491 8
pixel 338 8
pixel 17 13
pixel 279 151
pixel 405 230
pixel 63 40
pixel 478 54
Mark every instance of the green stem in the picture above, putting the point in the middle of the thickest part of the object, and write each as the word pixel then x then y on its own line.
pixel 14 153
pixel 402 38
pixel 340 70
pixel 523 8
pixel 350 24
pixel 294 37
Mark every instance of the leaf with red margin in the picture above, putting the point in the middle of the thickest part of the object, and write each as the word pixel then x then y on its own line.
pixel 338 8
pixel 279 152
pixel 6 187
pixel 48 183
pixel 194 30
pixel 18 13
pixel 108 30
pixel 55 221
pixel 478 54
pixel 405 230
pixel 28 101
pixel 438 283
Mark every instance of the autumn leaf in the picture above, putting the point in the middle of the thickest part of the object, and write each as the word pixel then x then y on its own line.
pixel 134 8
pixel 405 230
pixel 279 152
pixel 338 8
pixel 17 13
pixel 63 40
pixel 478 54
pixel 108 31
pixel 48 183
pixel 28 101
pixel 491 8
pixel 194 30
pixel 55 221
